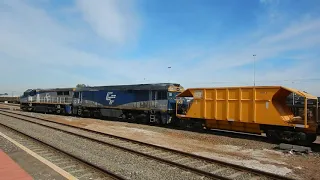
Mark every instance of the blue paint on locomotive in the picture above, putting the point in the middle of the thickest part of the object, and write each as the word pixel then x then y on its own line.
pixel 68 109
pixel 109 97
pixel 150 96
pixel 172 100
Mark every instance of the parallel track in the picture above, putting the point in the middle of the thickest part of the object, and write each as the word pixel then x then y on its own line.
pixel 71 164
pixel 196 164
pixel 10 104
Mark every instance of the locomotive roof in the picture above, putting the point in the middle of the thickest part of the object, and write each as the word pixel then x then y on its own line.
pixel 50 89
pixel 155 86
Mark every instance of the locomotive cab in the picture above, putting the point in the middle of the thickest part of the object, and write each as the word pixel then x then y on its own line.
pixel 25 99
pixel 172 101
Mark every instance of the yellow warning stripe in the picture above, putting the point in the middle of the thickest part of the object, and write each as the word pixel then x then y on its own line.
pixel 43 160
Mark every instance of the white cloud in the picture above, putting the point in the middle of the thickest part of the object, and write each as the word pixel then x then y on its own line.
pixel 41 52
pixel 309 28
pixel 271 45
pixel 113 20
pixel 224 67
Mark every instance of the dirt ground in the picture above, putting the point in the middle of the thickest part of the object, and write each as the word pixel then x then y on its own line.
pixel 240 150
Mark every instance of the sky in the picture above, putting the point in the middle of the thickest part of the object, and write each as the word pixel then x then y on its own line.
pixel 207 43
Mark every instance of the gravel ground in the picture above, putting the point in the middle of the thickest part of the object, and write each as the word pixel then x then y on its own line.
pixel 252 152
pixel 173 158
pixel 128 165
pixel 9 107
pixel 32 166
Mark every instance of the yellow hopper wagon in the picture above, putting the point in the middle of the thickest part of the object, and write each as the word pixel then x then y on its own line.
pixel 258 109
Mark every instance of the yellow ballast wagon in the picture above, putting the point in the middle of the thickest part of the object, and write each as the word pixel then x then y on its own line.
pixel 252 110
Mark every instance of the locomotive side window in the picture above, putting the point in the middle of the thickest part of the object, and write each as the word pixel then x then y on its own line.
pixel 154 95
pixel 32 93
pixel 26 94
pixel 63 93
pixel 162 95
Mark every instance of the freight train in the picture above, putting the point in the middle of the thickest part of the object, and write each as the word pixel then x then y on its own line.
pixel 256 110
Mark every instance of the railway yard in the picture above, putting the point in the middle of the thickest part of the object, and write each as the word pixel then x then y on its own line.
pixel 158 90
pixel 68 147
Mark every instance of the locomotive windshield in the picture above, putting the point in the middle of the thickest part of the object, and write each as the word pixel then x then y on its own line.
pixel 28 92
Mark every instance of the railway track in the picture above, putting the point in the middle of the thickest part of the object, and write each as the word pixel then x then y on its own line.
pixel 10 104
pixel 63 162
pixel 213 169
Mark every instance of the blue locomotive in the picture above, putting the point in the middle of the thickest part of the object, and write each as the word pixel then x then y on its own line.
pixel 145 103
pixel 56 100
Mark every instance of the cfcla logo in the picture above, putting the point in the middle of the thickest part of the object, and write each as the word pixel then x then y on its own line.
pixel 47 97
pixel 110 96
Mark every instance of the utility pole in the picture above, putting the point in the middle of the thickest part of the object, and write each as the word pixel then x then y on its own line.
pixel 169 67
pixel 293 98
pixel 254 70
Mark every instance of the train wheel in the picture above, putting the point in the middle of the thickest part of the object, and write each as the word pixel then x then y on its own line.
pixel 309 139
pixel 273 136
pixel 142 119
pixel 79 113
pixel 131 118
pixel 97 114
pixel 312 137
pixel 158 120
pixel 58 111
pixel 122 117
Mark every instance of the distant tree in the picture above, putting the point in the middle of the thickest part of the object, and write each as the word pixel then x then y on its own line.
pixel 81 85
pixel 5 94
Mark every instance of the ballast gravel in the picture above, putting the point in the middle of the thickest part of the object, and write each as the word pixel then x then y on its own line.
pixel 32 166
pixel 245 150
pixel 120 162
pixel 7 147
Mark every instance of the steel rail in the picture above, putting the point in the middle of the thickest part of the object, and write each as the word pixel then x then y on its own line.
pixel 103 170
pixel 214 161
